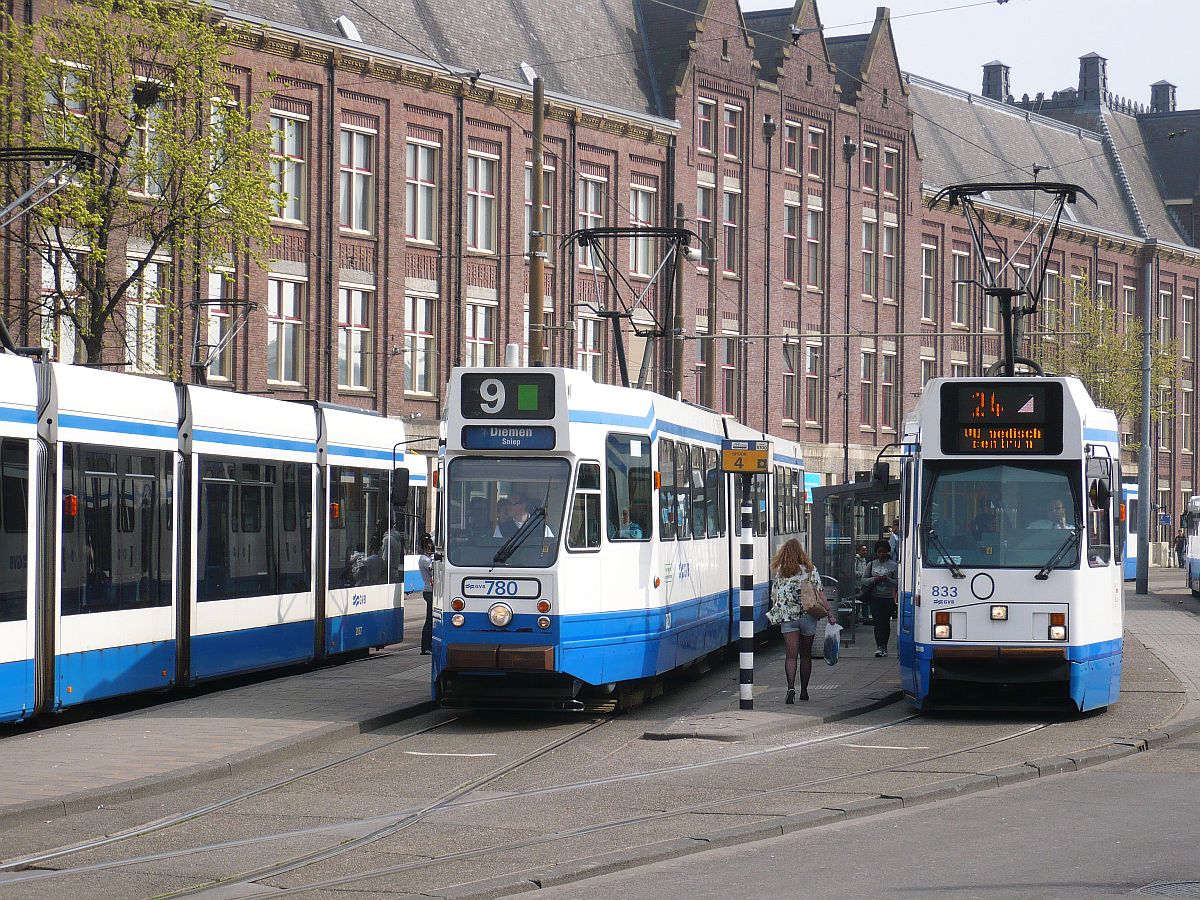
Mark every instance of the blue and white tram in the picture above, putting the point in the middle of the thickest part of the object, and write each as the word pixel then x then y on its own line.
pixel 1191 559
pixel 1012 592
pixel 155 534
pixel 1129 497
pixel 623 569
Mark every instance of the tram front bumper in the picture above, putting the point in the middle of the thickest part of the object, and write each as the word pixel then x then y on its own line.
pixel 501 657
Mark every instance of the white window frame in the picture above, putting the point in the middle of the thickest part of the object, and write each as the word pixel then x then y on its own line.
pixel 483 206
pixel 58 331
pixel 356 180
pixel 731 131
pixel 891 171
pixel 870 273
pixel 289 170
pixel 285 328
pixel 589 346
pixel 960 306
pixel 815 149
pixel 814 247
pixel 1187 320
pixel 793 137
pixel 730 228
pixel 480 347
pixel 642 205
pixel 220 320
pixel 812 382
pixel 147 318
pixel 867 401
pixel 355 338
pixel 928 369
pixel 589 214
pixel 929 273
pixel 704 224
pixel 548 172
pixel 708 147
pixel 793 359
pixel 793 223
pixel 889 391
pixel 420 344
pixel 870 167
pixel 889 270
pixel 420 194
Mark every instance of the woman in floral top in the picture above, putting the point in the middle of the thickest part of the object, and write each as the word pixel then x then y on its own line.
pixel 791 567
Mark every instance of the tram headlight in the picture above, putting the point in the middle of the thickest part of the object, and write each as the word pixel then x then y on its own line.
pixel 999 613
pixel 941 626
pixel 457 604
pixel 1058 627
pixel 543 606
pixel 457 620
pixel 543 622
pixel 500 614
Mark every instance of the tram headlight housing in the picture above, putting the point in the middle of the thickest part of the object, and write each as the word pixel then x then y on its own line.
pixel 941 626
pixel 999 613
pixel 1058 627
pixel 543 622
pixel 500 614
pixel 457 620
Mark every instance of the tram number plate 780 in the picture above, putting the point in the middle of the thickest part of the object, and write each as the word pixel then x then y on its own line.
pixel 519 588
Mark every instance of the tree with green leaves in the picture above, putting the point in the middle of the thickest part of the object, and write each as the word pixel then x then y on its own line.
pixel 180 175
pixel 1091 342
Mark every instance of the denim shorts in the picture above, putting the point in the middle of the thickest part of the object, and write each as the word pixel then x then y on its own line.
pixel 806 625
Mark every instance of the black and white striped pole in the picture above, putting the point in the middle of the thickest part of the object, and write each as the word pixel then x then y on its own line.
pixel 746 459
pixel 746 601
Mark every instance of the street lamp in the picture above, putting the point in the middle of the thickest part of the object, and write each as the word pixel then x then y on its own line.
pixel 849 148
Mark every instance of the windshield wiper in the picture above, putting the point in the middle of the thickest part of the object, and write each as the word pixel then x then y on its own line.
pixel 518 537
pixel 931 535
pixel 1068 544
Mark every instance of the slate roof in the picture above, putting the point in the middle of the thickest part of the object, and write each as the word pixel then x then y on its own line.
pixel 1146 186
pixel 495 36
pixel 1176 159
pixel 765 22
pixel 667 29
pixel 847 53
pixel 980 140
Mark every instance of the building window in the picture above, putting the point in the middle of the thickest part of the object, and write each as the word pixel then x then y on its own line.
pixel 991 305
pixel 146 318
pixel 813 237
pixel 547 203
pixel 1187 317
pixel 816 153
pixel 1077 278
pixel 481 334
pixel 289 149
pixel 961 307
pixel 285 331
pixel 732 127
pixel 958 370
pixel 866 409
pixel 59 285
pixel 791 359
pixel 547 322
pixel 887 285
pixel 1051 298
pixel 929 287
pixel 891 168
pixel 1129 305
pixel 793 216
pixel 731 217
pixel 220 318
pixel 420 198
pixel 420 317
pixel 791 147
pixel 355 359
pixel 1104 294
pixel 357 170
pixel 870 167
pixel 703 356
pixel 869 230
pixel 705 112
pixel 705 199
pixel 1164 315
pixel 812 383
pixel 588 355
pixel 148 160
pixel 481 202
pixel 1187 408
pixel 928 369
pixel 591 213
pixel 641 214
pixel 729 379
pixel 888 389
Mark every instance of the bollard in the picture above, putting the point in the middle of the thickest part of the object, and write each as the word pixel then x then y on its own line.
pixel 746 601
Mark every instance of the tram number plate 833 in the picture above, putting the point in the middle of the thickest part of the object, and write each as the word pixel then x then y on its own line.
pixel 518 588
pixel 943 593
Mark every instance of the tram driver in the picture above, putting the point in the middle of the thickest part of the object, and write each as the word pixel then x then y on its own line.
pixel 1056 516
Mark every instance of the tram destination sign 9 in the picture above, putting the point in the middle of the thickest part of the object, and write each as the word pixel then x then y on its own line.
pixel 745 457
pixel 507 396
pixel 1013 416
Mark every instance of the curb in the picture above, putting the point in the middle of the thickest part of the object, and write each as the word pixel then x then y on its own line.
pixel 632 857
pixel 235 763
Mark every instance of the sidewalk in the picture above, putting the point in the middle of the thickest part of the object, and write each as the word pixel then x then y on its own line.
pixel 56 770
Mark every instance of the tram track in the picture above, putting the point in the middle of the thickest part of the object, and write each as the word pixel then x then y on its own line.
pixel 459 798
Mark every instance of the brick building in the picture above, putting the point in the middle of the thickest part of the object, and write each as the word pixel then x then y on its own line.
pixel 404 146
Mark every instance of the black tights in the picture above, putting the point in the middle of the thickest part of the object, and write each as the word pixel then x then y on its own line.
pixel 797 644
pixel 881 612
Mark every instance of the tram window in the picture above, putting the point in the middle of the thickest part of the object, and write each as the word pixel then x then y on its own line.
pixel 241 550
pixel 583 532
pixel 117 555
pixel 364 549
pixel 630 488
pixel 760 505
pixel 699 500
pixel 666 495
pixel 683 493
pixel 14 504
pixel 1099 511
pixel 289 496
pixel 712 491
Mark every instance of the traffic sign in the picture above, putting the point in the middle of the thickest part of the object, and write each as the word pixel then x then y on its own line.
pixel 745 457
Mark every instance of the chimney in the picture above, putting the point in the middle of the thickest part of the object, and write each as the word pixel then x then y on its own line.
pixel 995 81
pixel 1093 78
pixel 1162 97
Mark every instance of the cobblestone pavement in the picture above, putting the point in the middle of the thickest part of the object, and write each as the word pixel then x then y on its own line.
pixel 1167 620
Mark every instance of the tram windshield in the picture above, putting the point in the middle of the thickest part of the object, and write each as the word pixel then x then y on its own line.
pixel 1000 516
pixel 490 498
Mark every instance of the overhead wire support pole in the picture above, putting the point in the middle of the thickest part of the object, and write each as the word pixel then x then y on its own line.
pixel 1145 504
pixel 537 237
pixel 677 313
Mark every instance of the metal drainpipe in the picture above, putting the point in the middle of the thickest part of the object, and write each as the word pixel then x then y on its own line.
pixel 331 143
pixel 459 207
pixel 769 129
pixel 1145 503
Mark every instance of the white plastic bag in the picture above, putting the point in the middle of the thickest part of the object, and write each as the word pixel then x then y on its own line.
pixel 833 643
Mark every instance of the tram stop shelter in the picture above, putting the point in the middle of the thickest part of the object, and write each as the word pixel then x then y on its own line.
pixel 843 517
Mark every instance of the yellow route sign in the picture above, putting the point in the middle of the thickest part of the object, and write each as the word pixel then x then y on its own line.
pixel 745 457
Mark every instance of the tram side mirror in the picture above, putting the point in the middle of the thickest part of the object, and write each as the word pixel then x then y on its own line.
pixel 399 495
pixel 1099 494
pixel 881 472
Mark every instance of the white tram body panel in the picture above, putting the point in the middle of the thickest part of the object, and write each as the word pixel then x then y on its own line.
pixel 628 575
pixel 1011 568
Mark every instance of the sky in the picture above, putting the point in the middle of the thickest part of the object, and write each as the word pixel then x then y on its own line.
pixel 1039 40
